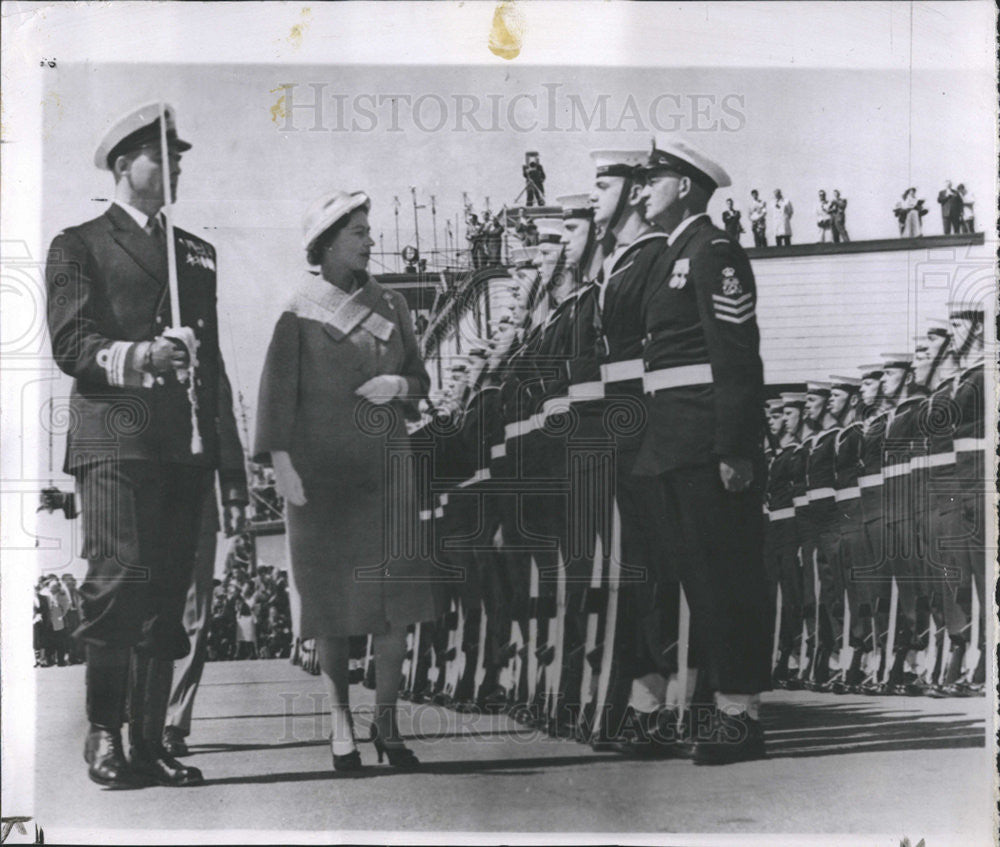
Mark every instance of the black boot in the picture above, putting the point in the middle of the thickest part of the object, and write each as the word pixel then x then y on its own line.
pixel 107 678
pixel 149 691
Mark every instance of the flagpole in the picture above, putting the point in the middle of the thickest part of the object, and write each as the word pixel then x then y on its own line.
pixel 434 228
pixel 416 223
pixel 395 209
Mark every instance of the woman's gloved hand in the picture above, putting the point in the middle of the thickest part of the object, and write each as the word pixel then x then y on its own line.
pixel 383 388
pixel 287 480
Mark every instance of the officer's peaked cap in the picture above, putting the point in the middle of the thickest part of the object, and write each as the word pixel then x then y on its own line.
pixel 139 127
pixel 676 154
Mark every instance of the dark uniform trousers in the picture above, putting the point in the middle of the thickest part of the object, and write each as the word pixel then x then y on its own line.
pixel 197 617
pixel 852 556
pixel 703 383
pixel 825 520
pixel 721 570
pixel 781 558
pixel 141 524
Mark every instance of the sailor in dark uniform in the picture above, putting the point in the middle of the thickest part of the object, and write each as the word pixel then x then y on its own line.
pixel 805 533
pixel 703 377
pixel 132 448
pixel 636 649
pixel 559 514
pixel 821 582
pixel 903 440
pixel 519 390
pixel 852 549
pixel 969 396
pixel 872 578
pixel 782 547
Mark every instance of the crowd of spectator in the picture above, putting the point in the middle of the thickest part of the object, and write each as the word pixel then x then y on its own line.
pixel 57 611
pixel 957 215
pixel 251 617
pixel 485 239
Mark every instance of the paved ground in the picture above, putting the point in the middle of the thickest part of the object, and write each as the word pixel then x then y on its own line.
pixel 902 767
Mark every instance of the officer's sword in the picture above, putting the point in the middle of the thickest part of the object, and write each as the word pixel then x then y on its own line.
pixel 175 332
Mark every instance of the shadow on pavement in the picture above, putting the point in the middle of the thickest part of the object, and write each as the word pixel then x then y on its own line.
pixel 467 735
pixel 500 767
pixel 809 730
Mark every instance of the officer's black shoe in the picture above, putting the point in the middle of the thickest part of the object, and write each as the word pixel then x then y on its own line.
pixel 522 713
pixel 150 760
pixel 494 702
pixel 421 695
pixel 661 736
pixel 958 689
pixel 603 743
pixel 174 743
pixel 731 738
pixel 913 688
pixel 103 752
pixel 873 688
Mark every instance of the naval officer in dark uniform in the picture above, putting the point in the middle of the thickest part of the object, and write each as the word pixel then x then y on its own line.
pixel 143 483
pixel 704 439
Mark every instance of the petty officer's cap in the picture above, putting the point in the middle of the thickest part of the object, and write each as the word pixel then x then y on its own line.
pixel 848 384
pixel 937 326
pixel 873 371
pixel 965 309
pixel 678 155
pixel 618 162
pixel 575 206
pixel 818 389
pixel 327 210
pixel 138 128
pixel 901 361
pixel 774 406
pixel 795 399
pixel 523 257
pixel 550 230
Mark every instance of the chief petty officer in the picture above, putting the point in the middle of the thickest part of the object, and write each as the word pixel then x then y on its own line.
pixel 131 450
pixel 703 441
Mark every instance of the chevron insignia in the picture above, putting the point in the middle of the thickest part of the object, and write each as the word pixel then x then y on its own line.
pixel 735 310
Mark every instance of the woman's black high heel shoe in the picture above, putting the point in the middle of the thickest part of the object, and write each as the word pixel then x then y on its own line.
pixel 399 757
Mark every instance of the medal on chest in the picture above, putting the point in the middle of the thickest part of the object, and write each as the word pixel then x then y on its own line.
pixel 679 274
pixel 197 254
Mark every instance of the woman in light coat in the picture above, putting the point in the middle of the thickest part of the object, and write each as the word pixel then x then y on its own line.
pixel 342 372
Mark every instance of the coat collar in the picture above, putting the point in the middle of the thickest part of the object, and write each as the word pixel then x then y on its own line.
pixel 341 313
pixel 685 225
